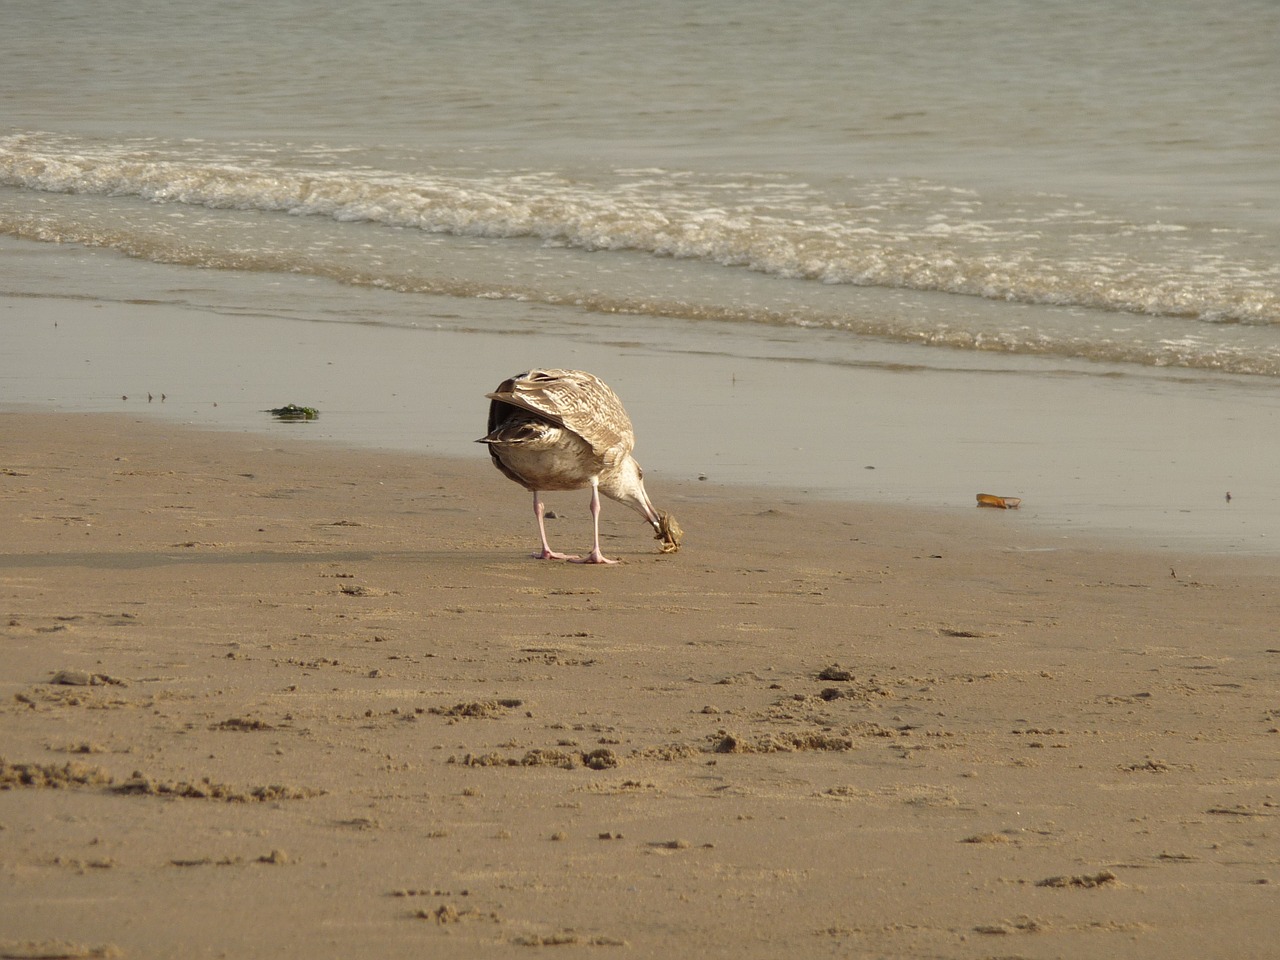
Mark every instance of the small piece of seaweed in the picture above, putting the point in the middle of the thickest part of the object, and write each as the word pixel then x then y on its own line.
pixel 294 412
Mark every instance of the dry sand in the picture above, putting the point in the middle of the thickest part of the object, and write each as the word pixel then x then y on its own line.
pixel 270 698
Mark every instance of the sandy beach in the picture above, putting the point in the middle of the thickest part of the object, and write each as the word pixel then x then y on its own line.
pixel 298 690
pixel 266 697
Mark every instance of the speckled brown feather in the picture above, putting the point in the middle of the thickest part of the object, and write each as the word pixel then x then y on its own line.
pixel 574 399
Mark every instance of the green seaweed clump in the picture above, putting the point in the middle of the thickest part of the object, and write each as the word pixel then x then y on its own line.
pixel 294 412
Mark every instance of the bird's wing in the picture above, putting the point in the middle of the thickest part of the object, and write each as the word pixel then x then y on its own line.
pixel 573 399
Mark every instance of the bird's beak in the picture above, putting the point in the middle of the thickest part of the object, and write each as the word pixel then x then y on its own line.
pixel 650 514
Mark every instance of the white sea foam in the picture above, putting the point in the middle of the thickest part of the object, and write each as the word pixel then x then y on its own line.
pixel 923 237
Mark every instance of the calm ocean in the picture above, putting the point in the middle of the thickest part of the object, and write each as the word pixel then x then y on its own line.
pixel 1091 185
pixel 822 163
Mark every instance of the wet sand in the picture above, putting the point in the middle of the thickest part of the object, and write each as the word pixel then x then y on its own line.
pixel 1146 454
pixel 265 697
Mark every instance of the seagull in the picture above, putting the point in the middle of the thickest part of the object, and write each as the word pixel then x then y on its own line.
pixel 565 430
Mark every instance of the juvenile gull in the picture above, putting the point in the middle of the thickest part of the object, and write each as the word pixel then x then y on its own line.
pixel 565 430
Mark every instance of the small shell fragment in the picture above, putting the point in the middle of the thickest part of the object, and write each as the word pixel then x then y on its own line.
pixel 1000 503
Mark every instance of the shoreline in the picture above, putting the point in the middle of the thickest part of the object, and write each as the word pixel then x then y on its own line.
pixel 1144 456
pixel 325 690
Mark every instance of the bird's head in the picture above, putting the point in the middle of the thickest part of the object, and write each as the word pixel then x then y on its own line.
pixel 626 485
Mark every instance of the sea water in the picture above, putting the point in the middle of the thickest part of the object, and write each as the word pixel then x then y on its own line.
pixel 1040 190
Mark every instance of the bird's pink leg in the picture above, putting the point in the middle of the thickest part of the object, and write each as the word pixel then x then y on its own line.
pixel 595 556
pixel 546 553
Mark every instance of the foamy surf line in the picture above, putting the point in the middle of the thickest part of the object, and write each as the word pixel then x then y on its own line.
pixel 896 234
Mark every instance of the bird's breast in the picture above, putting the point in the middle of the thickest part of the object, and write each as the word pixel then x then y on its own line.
pixel 550 458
